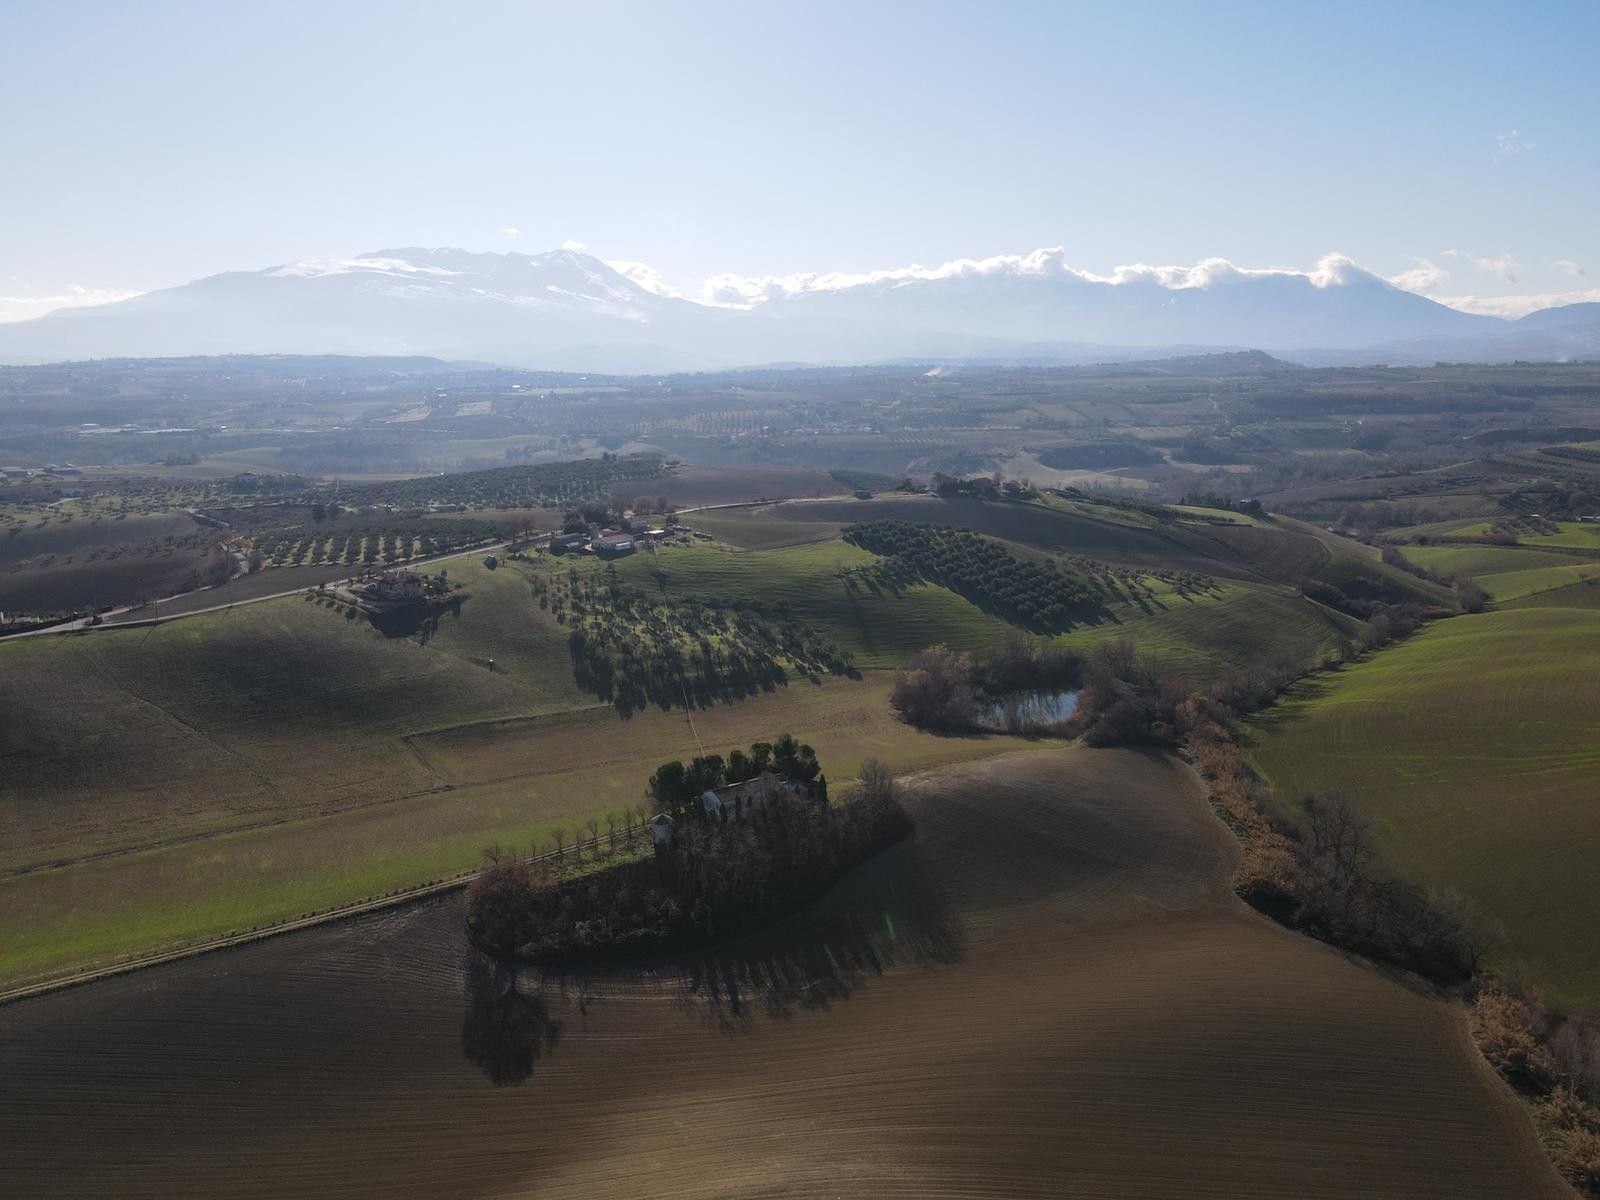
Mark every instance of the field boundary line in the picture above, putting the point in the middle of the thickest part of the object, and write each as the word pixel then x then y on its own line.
pixel 343 912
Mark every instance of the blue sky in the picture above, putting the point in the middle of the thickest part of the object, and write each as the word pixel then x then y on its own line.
pixel 153 143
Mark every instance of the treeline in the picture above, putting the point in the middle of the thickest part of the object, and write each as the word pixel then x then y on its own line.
pixel 715 879
pixel 1553 1059
pixel 535 486
pixel 1319 867
pixel 978 487
pixel 941 689
pixel 1046 597
pixel 1468 594
pixel 1384 622
pixel 676 787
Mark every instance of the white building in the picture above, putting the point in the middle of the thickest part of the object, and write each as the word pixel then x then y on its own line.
pixel 660 829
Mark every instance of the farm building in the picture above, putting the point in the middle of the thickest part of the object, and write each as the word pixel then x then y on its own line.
pixel 613 543
pixel 752 793
pixel 660 829
pixel 397 589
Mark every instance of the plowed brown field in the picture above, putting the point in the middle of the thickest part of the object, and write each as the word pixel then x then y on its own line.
pixel 1049 991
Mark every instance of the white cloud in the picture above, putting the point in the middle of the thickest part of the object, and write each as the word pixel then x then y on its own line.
pixel 645 276
pixel 571 244
pixel 745 291
pixel 21 308
pixel 1504 266
pixel 1424 276
pixel 511 231
pixel 1518 306
pixel 1570 267
pixel 1511 143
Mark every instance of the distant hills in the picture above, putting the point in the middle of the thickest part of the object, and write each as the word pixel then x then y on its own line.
pixel 567 310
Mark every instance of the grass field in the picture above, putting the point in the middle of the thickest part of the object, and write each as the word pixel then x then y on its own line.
pixel 1574 595
pixel 1475 744
pixel 1483 560
pixel 462 789
pixel 1572 535
pixel 1512 585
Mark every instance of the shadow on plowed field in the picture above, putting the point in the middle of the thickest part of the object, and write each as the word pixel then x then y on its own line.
pixel 1048 990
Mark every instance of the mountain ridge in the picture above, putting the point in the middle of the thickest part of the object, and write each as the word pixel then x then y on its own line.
pixel 565 309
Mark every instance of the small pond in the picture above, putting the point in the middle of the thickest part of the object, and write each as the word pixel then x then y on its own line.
pixel 1028 712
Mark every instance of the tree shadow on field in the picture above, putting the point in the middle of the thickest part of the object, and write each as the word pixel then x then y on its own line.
pixel 1291 708
pixel 505 1030
pixel 887 912
pixel 418 621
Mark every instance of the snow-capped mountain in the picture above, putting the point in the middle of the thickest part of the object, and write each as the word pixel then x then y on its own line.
pixel 568 310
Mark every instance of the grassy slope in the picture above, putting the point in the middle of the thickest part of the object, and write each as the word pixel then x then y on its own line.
pixel 1475 744
pixel 881 630
pixel 1289 551
pixel 1573 595
pixel 311 761
pixel 1483 560
pixel 1511 585
pixel 1572 535
pixel 511 783
pixel 1204 634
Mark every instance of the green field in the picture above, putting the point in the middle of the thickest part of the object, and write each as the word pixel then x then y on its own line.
pixel 1483 560
pixel 1512 585
pixel 509 782
pixel 1573 595
pixel 1475 744
pixel 1204 634
pixel 1574 535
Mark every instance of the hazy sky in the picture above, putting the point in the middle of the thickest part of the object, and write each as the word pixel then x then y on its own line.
pixel 147 144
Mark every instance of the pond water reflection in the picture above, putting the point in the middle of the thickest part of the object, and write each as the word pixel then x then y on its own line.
pixel 1028 712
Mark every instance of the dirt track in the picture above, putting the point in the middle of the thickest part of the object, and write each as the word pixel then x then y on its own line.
pixel 1049 992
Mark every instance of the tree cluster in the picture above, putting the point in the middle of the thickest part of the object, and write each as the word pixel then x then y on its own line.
pixel 717 878
pixel 941 689
pixel 979 487
pixel 677 788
